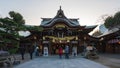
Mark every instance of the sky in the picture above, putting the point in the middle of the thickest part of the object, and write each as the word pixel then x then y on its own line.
pixel 89 12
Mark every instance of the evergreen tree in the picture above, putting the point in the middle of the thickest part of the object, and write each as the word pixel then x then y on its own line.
pixel 112 21
pixel 9 27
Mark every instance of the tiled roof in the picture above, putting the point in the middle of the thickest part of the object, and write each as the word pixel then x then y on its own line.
pixel 60 17
pixel 48 22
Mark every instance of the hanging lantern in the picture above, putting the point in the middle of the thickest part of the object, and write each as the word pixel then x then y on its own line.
pixel 43 38
pixel 35 37
pixel 53 40
pixel 101 39
pixel 68 40
pixel 119 42
pixel 84 38
pixel 76 38
pixel 60 41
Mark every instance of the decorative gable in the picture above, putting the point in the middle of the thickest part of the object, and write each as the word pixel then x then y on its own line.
pixel 60 17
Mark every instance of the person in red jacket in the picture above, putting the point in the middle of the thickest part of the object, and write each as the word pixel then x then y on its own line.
pixel 60 52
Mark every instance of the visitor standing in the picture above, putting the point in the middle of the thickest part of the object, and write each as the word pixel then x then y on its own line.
pixel 31 50
pixel 37 51
pixel 60 51
pixel 22 51
pixel 67 52
pixel 74 51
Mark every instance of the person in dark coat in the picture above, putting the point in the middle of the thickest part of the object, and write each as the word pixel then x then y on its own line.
pixel 22 51
pixel 31 50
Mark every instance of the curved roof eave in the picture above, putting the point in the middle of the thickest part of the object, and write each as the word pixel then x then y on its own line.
pixel 60 16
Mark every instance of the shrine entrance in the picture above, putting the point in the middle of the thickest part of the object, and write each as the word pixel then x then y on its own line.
pixel 55 47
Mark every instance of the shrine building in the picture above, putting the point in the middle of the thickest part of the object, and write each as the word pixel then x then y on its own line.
pixel 61 31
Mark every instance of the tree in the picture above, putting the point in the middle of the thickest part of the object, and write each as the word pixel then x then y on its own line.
pixel 112 21
pixel 11 25
pixel 16 17
pixel 34 28
pixel 109 22
pixel 117 18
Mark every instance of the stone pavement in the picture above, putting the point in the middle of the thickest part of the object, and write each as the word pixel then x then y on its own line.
pixel 111 60
pixel 55 62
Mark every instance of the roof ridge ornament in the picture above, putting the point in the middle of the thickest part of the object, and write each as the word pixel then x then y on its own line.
pixel 60 12
pixel 60 7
